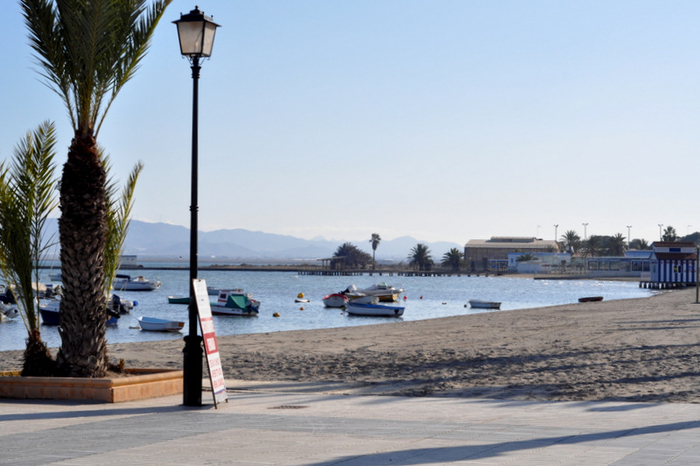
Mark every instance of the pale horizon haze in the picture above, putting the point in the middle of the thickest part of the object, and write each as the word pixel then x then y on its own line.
pixel 441 120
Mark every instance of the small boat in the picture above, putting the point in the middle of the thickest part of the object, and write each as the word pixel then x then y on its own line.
pixel 385 293
pixel 211 291
pixel 178 299
pixel 589 299
pixel 478 304
pixel 140 283
pixel 335 300
pixel 121 306
pixel 7 312
pixel 235 303
pixel 55 276
pixel 373 310
pixel 153 324
pixel 301 299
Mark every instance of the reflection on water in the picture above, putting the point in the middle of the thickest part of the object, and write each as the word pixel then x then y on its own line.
pixel 426 298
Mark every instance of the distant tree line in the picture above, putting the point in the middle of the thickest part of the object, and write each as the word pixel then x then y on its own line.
pixel 349 256
pixel 419 258
pixel 602 245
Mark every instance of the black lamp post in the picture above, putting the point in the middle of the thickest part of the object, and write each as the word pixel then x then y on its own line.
pixel 196 32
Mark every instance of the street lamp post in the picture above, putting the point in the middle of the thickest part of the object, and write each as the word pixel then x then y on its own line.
pixel 661 225
pixel 585 236
pixel 629 227
pixel 196 33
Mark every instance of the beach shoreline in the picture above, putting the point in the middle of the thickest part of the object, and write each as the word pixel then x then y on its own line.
pixel 643 350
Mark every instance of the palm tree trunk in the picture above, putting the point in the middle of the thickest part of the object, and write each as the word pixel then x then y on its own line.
pixel 82 232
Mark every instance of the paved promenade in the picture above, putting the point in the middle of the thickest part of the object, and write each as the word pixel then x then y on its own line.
pixel 297 424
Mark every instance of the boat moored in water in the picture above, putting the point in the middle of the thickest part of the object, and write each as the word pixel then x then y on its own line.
pixel 335 300
pixel 385 293
pixel 153 324
pixel 140 283
pixel 373 310
pixel 235 303
pixel 479 304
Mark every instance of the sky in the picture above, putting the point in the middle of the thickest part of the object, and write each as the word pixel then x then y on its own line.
pixel 437 119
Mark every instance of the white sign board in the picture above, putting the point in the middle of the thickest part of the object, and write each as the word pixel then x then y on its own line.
pixel 206 323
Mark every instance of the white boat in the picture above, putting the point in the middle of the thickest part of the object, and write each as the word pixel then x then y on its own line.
pixel 478 304
pixel 7 312
pixel 153 324
pixel 385 293
pixel 335 300
pixel 140 283
pixel 373 310
pixel 235 303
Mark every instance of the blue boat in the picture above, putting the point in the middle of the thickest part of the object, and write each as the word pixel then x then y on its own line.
pixel 50 314
pixel 373 310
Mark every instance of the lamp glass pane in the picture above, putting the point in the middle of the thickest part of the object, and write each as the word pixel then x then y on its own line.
pixel 190 34
pixel 209 33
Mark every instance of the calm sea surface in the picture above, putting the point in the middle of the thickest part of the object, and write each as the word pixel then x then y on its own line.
pixel 426 298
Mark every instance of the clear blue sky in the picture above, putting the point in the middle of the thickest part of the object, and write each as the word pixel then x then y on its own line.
pixel 442 120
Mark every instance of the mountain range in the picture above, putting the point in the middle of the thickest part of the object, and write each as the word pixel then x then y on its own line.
pixel 165 240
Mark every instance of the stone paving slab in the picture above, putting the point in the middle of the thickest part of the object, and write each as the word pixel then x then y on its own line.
pixel 270 425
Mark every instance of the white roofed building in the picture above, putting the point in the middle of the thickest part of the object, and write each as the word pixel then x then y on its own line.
pixel 492 254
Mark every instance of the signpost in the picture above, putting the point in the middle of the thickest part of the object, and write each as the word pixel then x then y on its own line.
pixel 206 323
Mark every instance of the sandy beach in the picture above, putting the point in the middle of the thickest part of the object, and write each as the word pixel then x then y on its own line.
pixel 636 350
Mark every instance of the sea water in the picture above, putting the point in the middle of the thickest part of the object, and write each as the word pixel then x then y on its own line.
pixel 425 298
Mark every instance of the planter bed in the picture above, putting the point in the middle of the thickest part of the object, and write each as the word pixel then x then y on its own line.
pixel 136 384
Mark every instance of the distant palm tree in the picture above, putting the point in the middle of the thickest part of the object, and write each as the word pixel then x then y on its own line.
pixel 88 50
pixel 670 235
pixel 351 256
pixel 571 241
pixel 453 259
pixel 617 245
pixel 639 244
pixel 420 257
pixel 592 246
pixel 375 240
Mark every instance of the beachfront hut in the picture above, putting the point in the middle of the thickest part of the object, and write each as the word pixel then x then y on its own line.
pixel 673 263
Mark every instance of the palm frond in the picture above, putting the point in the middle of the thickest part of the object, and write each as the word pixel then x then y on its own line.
pixel 88 50
pixel 27 197
pixel 118 220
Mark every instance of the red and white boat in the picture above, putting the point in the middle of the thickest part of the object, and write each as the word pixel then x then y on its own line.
pixel 335 300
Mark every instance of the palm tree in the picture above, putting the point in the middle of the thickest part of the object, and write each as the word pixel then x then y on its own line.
pixel 375 240
pixel 640 244
pixel 453 259
pixel 27 197
pixel 669 235
pixel 351 256
pixel 616 245
pixel 88 51
pixel 420 257
pixel 571 241
pixel 592 246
